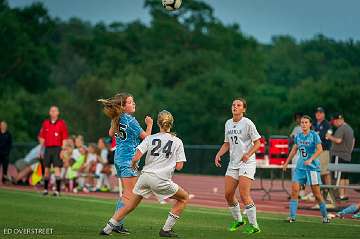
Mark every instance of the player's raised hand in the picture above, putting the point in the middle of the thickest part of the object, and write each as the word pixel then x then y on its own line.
pixel 148 121
pixel 218 161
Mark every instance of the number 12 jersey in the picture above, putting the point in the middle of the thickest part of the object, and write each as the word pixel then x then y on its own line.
pixel 240 135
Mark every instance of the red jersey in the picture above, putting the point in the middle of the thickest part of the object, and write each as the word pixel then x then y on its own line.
pixel 53 133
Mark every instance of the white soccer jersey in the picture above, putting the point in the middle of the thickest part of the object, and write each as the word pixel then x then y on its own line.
pixel 163 152
pixel 240 136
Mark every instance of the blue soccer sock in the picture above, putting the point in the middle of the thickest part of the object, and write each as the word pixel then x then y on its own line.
pixel 350 209
pixel 293 208
pixel 323 210
pixel 119 204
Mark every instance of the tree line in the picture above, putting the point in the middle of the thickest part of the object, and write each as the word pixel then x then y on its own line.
pixel 187 62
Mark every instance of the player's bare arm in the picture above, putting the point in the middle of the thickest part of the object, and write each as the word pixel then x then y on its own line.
pixel 253 150
pixel 179 166
pixel 149 125
pixel 290 157
pixel 224 148
pixel 112 128
pixel 319 149
pixel 135 159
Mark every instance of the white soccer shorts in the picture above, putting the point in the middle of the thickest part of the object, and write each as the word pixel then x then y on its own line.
pixel 246 169
pixel 149 184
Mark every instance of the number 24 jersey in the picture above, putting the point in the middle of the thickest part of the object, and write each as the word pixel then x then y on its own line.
pixel 164 150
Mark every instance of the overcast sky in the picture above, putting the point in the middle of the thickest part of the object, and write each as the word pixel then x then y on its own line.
pixel 302 19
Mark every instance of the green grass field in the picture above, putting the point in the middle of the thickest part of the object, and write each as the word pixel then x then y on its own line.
pixel 79 217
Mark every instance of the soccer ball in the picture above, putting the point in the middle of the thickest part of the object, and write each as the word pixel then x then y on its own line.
pixel 171 5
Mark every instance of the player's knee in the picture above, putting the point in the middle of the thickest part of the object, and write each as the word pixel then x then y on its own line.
pixel 229 196
pixel 294 193
pixel 318 197
pixel 126 195
pixel 185 198
pixel 295 188
pixel 245 197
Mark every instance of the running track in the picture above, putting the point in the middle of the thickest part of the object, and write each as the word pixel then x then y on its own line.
pixel 208 191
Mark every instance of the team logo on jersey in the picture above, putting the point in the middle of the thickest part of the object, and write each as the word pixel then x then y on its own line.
pixel 304 142
pixel 234 131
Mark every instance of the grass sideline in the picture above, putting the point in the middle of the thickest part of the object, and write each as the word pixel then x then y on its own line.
pixel 83 217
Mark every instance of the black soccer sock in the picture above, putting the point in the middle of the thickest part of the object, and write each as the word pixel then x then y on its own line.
pixel 46 183
pixel 58 183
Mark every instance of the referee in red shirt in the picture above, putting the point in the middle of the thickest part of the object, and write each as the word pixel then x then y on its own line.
pixel 52 136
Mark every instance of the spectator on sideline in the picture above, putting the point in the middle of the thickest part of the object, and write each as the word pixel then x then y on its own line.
pixel 321 126
pixel 79 143
pixel 103 168
pixel 343 143
pixel 5 147
pixel 297 128
pixel 53 135
pixel 92 158
pixel 25 165
pixel 65 156
pixel 73 173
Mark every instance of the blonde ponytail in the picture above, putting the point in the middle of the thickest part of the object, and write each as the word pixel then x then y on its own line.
pixel 165 121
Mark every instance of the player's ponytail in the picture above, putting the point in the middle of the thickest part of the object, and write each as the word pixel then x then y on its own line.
pixel 165 121
pixel 114 107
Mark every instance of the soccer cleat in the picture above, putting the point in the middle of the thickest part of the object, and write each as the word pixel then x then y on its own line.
pixel 45 192
pixel 170 233
pixel 236 224
pixel 102 233
pixel 290 220
pixel 326 220
pixel 56 194
pixel 121 229
pixel 331 215
pixel 356 216
pixel 340 215
pixel 251 229
pixel 6 179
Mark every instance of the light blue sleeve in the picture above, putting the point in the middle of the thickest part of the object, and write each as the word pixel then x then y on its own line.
pixel 135 127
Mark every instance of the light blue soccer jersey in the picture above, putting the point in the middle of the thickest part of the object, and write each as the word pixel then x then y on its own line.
pixel 306 148
pixel 127 140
